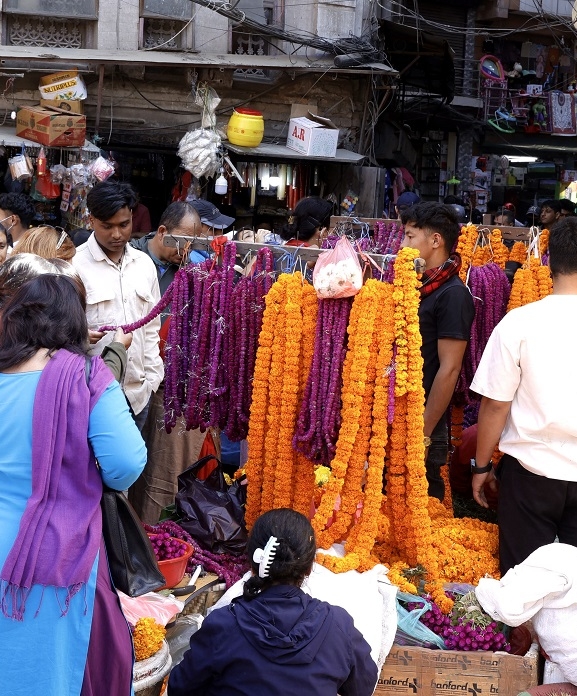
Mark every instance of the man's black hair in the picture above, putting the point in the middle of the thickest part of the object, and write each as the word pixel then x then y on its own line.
pixel 175 213
pixel 567 205
pixel 19 204
pixel 435 217
pixel 108 197
pixel 563 247
pixel 552 203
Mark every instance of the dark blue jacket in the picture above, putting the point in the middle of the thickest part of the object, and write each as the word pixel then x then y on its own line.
pixel 282 643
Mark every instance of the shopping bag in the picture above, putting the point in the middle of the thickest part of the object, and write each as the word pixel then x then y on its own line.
pixel 210 511
pixel 338 272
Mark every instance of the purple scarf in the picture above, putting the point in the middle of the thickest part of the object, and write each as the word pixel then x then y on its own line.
pixel 61 528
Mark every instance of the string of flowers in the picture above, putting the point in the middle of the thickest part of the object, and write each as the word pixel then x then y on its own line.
pixel 319 417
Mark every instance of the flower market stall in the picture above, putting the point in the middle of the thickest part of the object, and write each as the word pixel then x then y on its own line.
pixel 329 395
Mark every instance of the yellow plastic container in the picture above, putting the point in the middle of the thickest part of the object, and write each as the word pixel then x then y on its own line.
pixel 245 128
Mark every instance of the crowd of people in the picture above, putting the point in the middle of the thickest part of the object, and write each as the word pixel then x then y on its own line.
pixel 81 406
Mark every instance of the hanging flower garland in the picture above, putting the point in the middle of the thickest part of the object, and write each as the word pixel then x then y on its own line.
pixel 518 253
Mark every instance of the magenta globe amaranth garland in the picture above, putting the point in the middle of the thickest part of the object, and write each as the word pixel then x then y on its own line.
pixel 319 418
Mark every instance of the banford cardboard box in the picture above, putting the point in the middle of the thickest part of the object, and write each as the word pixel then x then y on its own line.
pixel 51 128
pixel 410 671
pixel 313 136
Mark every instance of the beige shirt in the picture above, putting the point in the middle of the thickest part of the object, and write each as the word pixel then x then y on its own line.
pixel 529 360
pixel 121 295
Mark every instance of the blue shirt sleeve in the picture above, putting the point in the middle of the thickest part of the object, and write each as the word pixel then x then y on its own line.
pixel 115 439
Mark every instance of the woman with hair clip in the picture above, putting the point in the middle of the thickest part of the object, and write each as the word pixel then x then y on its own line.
pixel 275 639
pixel 311 217
pixel 62 631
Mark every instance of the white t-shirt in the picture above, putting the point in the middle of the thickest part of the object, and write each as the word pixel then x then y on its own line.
pixel 531 360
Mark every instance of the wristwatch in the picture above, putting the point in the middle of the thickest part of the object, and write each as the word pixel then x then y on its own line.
pixel 427 441
pixel 480 469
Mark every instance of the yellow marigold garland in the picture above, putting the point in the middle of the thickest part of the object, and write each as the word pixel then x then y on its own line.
pixel 465 246
pixel 147 638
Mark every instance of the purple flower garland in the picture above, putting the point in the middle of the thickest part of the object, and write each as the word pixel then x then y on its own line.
pixel 490 289
pixel 319 418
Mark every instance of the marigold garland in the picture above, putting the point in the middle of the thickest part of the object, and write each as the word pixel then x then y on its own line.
pixel 518 253
pixel 147 638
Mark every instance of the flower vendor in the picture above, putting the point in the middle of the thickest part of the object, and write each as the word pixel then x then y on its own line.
pixel 446 314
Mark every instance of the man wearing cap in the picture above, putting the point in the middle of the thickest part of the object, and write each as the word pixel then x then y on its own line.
pixel 179 219
pixel 210 216
pixel 211 219
pixel 405 201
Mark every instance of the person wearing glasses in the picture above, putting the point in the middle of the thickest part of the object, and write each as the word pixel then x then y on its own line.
pixel 16 214
pixel 121 288
pixel 48 242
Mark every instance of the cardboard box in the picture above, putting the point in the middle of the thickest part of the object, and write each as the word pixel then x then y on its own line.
pixel 51 128
pixel 421 672
pixel 73 106
pixel 313 136
pixel 62 85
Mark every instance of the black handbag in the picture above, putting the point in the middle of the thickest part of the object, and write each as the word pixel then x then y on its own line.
pixel 131 559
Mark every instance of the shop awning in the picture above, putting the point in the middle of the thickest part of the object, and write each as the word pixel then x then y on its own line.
pixel 282 152
pixel 24 58
pixel 8 138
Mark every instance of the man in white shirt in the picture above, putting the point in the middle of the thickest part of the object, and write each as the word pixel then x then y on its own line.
pixel 528 380
pixel 121 288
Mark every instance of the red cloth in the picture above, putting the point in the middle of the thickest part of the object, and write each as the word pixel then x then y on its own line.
pixel 435 277
pixel 460 467
pixel 208 447
pixel 297 243
pixel 141 224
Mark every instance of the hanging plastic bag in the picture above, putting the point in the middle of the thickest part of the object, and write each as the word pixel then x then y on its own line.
pixel 20 168
pixel 210 511
pixel 102 168
pixel 337 272
pixel 410 629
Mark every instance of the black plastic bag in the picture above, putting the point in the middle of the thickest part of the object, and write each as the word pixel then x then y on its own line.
pixel 210 511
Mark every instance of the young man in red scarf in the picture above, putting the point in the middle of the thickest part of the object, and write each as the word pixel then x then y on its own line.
pixel 446 314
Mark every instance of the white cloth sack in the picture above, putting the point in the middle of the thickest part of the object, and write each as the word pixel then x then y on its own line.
pixel 543 588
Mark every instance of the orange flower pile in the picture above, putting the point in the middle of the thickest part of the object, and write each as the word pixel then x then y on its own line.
pixel 147 638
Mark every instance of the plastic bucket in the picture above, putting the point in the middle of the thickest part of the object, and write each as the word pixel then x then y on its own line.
pixel 174 568
pixel 245 128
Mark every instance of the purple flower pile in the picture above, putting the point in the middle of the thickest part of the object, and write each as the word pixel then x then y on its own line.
pixel 228 567
pixel 467 627
pixel 319 419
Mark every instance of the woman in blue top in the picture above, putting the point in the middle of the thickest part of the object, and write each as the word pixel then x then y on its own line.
pixel 62 632
pixel 276 639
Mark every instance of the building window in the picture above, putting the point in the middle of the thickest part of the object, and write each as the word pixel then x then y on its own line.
pixel 244 43
pixel 167 24
pixel 79 9
pixel 45 31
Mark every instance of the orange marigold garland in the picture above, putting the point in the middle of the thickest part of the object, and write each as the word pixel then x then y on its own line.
pixel 289 387
pixel 466 247
pixel 362 320
pixel 518 253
